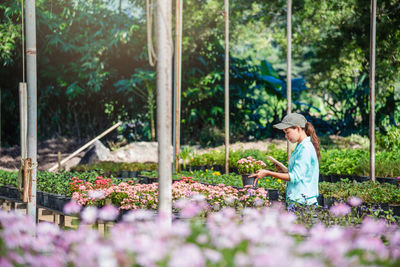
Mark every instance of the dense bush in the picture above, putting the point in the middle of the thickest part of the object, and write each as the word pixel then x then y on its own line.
pixel 389 141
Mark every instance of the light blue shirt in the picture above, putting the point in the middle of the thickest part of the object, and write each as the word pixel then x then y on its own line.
pixel 303 173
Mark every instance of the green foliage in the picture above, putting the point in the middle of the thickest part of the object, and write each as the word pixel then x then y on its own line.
pixel 337 161
pixel 8 178
pixel 10 32
pixel 108 168
pixel 390 140
pixel 94 70
pixel 369 192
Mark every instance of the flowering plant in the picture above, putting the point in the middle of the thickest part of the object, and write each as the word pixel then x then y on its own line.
pixel 249 165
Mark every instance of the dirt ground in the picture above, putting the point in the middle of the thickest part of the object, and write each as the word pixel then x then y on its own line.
pixel 47 154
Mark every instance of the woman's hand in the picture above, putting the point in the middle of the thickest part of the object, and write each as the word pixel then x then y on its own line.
pixel 259 174
pixel 278 168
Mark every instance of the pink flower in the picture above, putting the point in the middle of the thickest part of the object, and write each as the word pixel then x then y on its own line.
pixel 190 210
pixel 5 263
pixel 96 194
pixel 355 201
pixel 72 207
pixel 89 215
pixel 371 226
pixel 108 213
pixel 187 255
pixel 340 210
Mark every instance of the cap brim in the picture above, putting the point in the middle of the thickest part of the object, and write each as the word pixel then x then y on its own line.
pixel 282 126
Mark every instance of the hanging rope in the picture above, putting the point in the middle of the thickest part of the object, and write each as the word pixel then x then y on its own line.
pixel 149 21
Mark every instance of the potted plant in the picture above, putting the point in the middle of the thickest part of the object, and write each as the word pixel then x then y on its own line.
pixel 248 166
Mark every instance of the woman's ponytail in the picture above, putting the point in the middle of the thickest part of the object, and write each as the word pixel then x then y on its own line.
pixel 310 131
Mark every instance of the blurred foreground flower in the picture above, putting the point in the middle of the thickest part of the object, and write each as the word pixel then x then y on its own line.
pixel 267 236
pixel 108 213
pixel 355 201
pixel 340 209
pixel 72 207
pixel 89 215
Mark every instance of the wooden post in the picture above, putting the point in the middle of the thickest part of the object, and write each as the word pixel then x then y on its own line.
pixel 27 182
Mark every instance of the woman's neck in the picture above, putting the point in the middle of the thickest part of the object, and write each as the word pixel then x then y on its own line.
pixel 303 135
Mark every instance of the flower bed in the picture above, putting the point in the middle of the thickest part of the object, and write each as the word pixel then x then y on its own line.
pixel 129 196
pixel 263 237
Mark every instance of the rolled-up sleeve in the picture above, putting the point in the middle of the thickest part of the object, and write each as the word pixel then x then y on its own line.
pixel 299 169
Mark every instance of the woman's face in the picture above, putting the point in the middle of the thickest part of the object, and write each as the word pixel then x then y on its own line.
pixel 292 134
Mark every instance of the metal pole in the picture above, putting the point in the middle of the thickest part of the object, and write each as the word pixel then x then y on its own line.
pixel 32 98
pixel 289 66
pixel 226 86
pixel 177 81
pixel 164 107
pixel 372 92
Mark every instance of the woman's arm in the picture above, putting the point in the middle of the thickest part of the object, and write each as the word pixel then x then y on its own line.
pixel 263 173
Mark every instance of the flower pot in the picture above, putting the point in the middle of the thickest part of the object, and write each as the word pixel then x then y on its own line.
pixel 361 179
pixel 13 193
pixel 132 174
pixel 219 168
pixel 320 200
pixel 336 178
pixel 39 198
pixel 246 180
pixel 3 191
pixel 201 168
pixel 143 179
pixel 329 201
pixel 323 178
pixel 395 209
pixel 55 201
pixel 61 202
pixel 273 194
pixel 46 200
pixel 232 169
pixel 386 180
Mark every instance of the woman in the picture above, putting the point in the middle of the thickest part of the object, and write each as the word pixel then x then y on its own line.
pixel 302 179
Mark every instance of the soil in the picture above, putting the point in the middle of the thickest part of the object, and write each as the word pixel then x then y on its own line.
pixel 47 154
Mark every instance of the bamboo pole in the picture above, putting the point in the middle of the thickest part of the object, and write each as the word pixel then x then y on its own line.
pixel 164 108
pixel 289 66
pixel 23 111
pixel 177 82
pixel 55 166
pixel 226 86
pixel 372 92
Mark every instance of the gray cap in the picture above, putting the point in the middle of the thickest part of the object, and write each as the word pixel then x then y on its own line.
pixel 290 120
